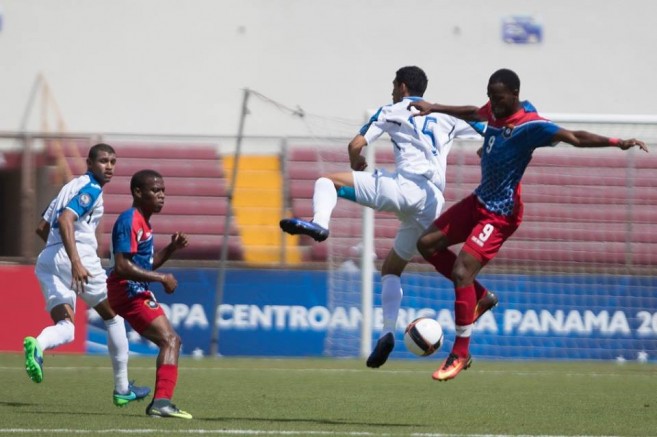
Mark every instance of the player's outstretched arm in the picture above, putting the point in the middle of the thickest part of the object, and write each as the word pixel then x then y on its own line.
pixel 588 139
pixel 467 113
pixel 178 241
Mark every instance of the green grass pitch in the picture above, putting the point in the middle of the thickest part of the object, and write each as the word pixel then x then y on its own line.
pixel 330 397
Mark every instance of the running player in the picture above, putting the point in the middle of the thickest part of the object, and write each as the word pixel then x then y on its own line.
pixel 484 220
pixel 133 267
pixel 414 192
pixel 69 266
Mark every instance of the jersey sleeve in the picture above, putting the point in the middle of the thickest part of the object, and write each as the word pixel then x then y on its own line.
pixel 84 201
pixel 48 214
pixel 373 129
pixel 123 238
pixel 468 129
pixel 543 134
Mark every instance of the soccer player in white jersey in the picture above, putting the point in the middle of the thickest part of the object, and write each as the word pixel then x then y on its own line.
pixel 69 266
pixel 414 192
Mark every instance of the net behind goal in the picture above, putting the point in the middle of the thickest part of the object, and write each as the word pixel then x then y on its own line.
pixel 575 281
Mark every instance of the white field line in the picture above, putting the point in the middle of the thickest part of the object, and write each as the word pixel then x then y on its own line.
pixel 649 374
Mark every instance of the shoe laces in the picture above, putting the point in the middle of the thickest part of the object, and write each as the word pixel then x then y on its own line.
pixel 450 360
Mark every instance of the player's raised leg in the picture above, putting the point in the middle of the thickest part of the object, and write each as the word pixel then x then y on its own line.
pixel 62 332
pixel 485 303
pixel 325 197
pixel 33 359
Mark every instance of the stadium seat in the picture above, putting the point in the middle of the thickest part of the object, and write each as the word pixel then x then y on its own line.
pixel 196 201
pixel 581 206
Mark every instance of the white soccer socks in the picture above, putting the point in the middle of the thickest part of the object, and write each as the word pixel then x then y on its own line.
pixel 56 335
pixel 324 200
pixel 391 297
pixel 117 344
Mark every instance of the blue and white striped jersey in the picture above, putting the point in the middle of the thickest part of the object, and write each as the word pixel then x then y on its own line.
pixel 421 143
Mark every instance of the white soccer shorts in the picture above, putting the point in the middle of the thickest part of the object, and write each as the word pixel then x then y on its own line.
pixel 416 201
pixel 53 270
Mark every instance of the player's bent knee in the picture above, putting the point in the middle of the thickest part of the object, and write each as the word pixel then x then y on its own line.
pixel 171 340
pixel 425 249
pixel 461 275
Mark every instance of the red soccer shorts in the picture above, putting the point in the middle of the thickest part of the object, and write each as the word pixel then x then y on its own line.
pixel 481 231
pixel 139 311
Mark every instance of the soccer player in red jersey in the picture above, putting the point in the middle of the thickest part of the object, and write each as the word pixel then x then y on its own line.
pixel 133 268
pixel 484 220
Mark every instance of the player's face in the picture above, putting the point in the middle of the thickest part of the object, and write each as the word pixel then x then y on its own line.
pixel 397 91
pixel 152 195
pixel 503 101
pixel 102 167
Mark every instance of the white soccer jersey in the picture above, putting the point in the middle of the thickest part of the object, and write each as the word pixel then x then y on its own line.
pixel 84 197
pixel 421 143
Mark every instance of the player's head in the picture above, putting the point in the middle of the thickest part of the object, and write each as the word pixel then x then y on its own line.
pixel 147 188
pixel 503 92
pixel 101 161
pixel 409 81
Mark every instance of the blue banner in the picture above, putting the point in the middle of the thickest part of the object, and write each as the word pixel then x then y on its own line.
pixel 289 314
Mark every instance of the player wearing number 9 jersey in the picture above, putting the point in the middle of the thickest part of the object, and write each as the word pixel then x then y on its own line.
pixel 487 218
pixel 414 191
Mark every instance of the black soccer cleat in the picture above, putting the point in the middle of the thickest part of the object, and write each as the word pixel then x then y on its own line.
pixel 381 351
pixel 297 226
pixel 486 303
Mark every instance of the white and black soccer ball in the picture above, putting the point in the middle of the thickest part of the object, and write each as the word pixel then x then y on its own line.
pixel 423 336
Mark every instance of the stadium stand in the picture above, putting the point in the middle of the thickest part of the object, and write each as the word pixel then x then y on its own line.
pixel 588 207
pixel 196 201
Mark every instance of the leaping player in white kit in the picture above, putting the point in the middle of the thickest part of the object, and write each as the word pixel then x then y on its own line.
pixel 414 192
pixel 69 266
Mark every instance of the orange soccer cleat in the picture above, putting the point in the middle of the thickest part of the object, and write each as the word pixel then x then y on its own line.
pixel 451 367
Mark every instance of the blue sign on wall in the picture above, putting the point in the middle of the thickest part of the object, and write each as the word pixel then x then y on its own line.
pixel 521 29
pixel 288 313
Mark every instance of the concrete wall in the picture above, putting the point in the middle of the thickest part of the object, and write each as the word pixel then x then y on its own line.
pixel 173 66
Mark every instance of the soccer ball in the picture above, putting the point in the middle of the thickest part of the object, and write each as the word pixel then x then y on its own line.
pixel 423 336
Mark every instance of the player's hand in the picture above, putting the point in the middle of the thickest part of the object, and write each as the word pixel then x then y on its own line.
pixel 179 240
pixel 423 107
pixel 169 282
pixel 480 151
pixel 359 163
pixel 79 277
pixel 628 144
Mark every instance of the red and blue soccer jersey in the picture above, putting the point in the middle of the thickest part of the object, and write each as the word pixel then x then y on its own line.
pixel 132 236
pixel 507 151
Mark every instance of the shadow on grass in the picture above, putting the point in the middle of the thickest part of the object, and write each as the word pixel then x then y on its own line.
pixel 301 420
pixel 16 404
